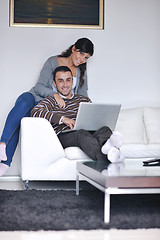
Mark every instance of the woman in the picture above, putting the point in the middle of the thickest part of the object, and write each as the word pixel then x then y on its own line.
pixel 75 57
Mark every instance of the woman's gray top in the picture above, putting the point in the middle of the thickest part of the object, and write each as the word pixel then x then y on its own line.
pixel 43 87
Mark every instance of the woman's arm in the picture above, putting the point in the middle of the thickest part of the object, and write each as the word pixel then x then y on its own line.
pixel 59 100
pixel 43 87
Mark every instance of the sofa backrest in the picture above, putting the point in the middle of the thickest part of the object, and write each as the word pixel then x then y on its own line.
pixel 139 125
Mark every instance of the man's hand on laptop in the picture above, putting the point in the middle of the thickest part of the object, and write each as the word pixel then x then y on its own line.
pixel 69 122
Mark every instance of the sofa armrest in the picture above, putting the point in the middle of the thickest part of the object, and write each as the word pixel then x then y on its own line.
pixel 40 146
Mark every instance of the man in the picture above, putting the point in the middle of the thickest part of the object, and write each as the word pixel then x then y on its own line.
pixel 96 144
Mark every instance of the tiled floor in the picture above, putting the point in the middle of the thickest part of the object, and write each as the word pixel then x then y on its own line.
pixel 113 234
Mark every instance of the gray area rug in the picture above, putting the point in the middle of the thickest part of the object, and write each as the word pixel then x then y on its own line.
pixel 63 210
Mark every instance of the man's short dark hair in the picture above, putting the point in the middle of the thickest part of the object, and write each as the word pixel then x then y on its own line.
pixel 61 69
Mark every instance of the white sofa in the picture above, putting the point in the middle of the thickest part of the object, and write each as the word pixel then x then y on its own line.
pixel 43 158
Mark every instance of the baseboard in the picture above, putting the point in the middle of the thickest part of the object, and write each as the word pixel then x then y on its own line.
pixel 10 179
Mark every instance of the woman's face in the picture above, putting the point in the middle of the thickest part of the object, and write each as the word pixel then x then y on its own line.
pixel 78 57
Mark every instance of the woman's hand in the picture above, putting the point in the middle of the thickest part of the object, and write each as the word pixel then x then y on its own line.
pixel 59 100
pixel 69 122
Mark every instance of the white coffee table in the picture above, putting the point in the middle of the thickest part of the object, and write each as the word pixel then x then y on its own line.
pixel 130 177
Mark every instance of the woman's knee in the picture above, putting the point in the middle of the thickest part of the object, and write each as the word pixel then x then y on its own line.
pixel 26 101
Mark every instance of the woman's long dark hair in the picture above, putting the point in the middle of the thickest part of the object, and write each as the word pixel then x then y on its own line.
pixel 83 45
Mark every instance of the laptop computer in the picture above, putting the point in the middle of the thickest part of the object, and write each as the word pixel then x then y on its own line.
pixel 92 116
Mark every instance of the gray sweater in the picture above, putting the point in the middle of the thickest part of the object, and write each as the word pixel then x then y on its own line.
pixel 43 87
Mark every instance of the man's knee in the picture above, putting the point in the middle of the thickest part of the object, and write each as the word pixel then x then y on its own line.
pixel 105 129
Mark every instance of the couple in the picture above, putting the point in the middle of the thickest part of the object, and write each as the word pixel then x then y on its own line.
pixel 75 57
pixel 100 145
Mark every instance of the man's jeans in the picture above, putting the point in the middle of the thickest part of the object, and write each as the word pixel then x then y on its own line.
pixel 89 142
pixel 10 135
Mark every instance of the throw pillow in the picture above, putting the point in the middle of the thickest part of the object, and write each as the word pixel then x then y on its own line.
pixel 130 124
pixel 152 123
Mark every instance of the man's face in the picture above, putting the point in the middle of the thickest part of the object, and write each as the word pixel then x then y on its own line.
pixel 64 82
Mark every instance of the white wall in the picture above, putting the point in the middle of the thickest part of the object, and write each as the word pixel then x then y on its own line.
pixel 125 67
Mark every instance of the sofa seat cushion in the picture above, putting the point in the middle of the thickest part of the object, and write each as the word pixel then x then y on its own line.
pixel 75 153
pixel 141 150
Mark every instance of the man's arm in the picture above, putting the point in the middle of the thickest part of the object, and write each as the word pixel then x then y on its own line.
pixel 69 122
pixel 45 109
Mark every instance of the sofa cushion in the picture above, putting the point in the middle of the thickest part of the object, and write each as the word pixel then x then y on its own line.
pixel 130 124
pixel 141 150
pixel 75 153
pixel 152 124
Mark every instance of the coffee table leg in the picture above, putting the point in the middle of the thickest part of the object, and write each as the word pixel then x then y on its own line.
pixel 106 207
pixel 77 184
